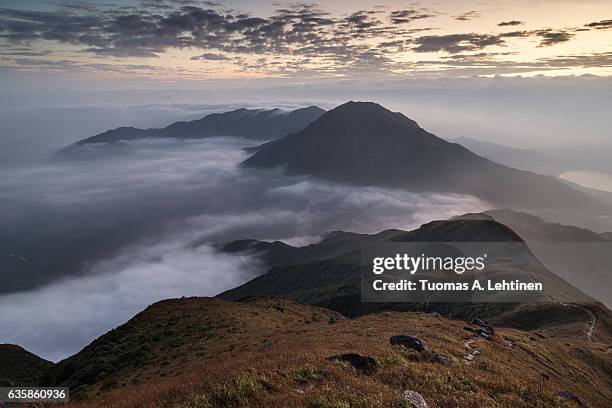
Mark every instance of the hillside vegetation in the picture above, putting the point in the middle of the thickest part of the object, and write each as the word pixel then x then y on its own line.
pixel 20 367
pixel 202 352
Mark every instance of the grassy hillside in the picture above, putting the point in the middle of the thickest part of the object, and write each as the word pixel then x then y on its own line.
pixel 201 352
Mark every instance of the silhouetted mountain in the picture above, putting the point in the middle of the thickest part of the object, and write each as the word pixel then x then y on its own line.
pixel 364 143
pixel 19 367
pixel 258 124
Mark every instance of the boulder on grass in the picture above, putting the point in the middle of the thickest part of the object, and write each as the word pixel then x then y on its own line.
pixel 411 342
pixel 364 364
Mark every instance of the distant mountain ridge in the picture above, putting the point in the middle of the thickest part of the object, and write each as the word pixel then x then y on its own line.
pixel 547 160
pixel 364 143
pixel 328 274
pixel 524 159
pixel 257 124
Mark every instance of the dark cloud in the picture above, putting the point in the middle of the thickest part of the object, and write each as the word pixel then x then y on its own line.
pixel 211 57
pixel 510 23
pixel 407 16
pixel 600 25
pixel 550 37
pixel 454 43
pixel 470 15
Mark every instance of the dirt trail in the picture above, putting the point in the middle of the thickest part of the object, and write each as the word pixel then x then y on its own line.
pixel 474 351
pixel 592 322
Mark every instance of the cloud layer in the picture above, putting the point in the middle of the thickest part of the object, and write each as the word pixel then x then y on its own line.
pixel 297 39
pixel 99 236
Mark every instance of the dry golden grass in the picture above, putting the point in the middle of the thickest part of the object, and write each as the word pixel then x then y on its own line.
pixel 219 361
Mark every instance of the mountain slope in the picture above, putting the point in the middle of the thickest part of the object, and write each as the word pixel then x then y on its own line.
pixel 364 143
pixel 257 124
pixel 334 281
pixel 580 256
pixel 19 367
pixel 201 352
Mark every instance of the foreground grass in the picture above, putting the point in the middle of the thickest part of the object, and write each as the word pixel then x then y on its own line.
pixel 213 357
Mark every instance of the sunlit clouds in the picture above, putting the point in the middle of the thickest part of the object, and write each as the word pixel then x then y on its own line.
pixel 311 42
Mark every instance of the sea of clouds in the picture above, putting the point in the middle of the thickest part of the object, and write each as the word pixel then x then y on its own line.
pixel 101 232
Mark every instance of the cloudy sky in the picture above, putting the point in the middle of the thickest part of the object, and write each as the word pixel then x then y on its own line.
pixel 236 40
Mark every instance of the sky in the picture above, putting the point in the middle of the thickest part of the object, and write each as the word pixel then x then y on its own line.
pixel 303 43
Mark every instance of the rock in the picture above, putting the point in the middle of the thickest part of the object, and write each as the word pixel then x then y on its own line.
pixel 478 322
pixel 434 314
pixel 485 330
pixel 442 359
pixel 364 364
pixel 266 344
pixel 411 342
pixel 415 399
pixel 569 395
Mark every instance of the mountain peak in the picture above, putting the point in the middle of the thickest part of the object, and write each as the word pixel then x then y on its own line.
pixel 361 105
pixel 364 143
pixel 355 142
pixel 373 116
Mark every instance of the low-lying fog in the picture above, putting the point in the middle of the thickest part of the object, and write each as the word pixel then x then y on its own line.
pixel 91 238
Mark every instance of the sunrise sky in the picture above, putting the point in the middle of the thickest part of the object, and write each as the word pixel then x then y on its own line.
pixel 252 40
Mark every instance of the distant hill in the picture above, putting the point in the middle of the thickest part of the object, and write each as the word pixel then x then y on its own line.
pixel 262 353
pixel 524 159
pixel 551 161
pixel 19 367
pixel 580 256
pixel 257 124
pixel 364 143
pixel 337 243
